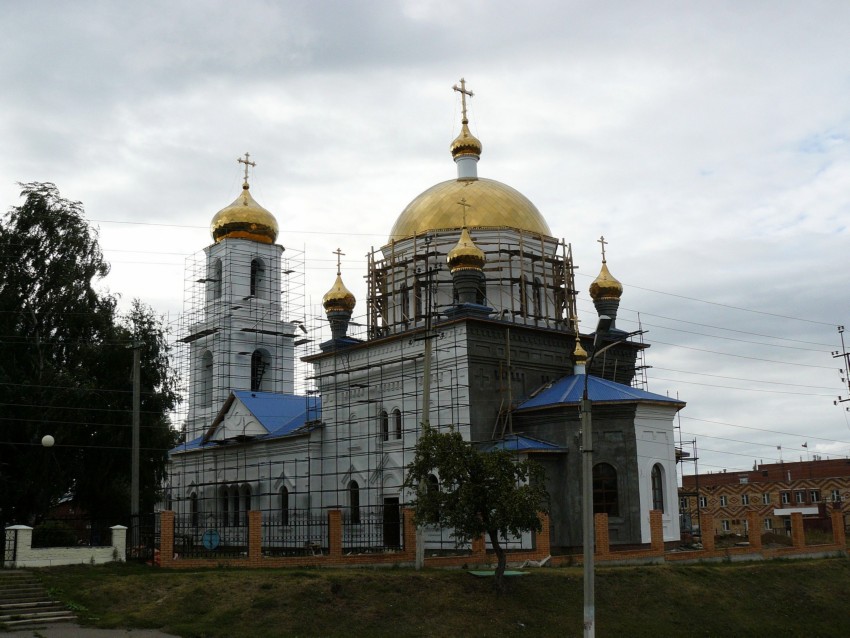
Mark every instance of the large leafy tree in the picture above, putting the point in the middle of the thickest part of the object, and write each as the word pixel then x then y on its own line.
pixel 476 492
pixel 66 368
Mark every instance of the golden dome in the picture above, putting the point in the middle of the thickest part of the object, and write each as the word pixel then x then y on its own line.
pixel 465 255
pixel 491 205
pixel 465 143
pixel 339 297
pixel 605 286
pixel 244 219
pixel 579 354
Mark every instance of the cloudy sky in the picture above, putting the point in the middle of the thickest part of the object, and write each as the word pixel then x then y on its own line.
pixel 708 141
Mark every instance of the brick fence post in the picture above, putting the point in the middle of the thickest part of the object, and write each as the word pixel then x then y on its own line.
pixel 255 538
pixel 706 531
pixel 543 539
pixel 166 538
pixel 839 535
pixel 754 523
pixel 656 531
pixel 409 531
pixel 335 533
pixel 798 534
pixel 479 548
pixel 600 528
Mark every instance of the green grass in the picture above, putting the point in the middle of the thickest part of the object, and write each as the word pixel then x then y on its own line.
pixel 776 598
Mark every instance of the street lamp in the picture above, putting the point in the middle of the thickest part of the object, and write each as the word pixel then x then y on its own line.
pixel 587 486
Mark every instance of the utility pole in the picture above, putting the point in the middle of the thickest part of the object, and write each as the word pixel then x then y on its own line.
pixel 134 472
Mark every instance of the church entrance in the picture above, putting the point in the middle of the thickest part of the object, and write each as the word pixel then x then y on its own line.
pixel 392 523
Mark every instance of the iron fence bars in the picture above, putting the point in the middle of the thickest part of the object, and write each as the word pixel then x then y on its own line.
pixel 371 530
pixel 212 537
pixel 148 526
pixel 70 531
pixel 295 533
pixel 10 544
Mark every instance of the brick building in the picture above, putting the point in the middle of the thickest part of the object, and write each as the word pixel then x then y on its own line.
pixel 774 491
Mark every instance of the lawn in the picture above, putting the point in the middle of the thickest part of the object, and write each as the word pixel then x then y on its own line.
pixel 775 598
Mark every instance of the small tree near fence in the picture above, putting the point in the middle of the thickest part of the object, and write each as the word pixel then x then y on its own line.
pixel 476 492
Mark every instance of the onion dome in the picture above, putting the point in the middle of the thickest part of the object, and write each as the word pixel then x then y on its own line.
pixel 492 204
pixel 465 255
pixel 579 354
pixel 244 219
pixel 605 286
pixel 338 298
pixel 465 143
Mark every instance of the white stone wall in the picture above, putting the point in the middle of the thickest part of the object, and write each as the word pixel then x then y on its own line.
pixel 27 556
pixel 655 445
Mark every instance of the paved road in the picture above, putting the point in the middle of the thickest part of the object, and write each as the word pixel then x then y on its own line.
pixel 72 630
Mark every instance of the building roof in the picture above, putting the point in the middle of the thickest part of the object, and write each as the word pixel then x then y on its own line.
pixel 520 443
pixel 569 390
pixel 280 414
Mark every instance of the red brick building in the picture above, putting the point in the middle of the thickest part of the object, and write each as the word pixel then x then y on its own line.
pixel 773 490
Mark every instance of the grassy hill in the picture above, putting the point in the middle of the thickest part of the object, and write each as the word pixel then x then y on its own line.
pixel 778 598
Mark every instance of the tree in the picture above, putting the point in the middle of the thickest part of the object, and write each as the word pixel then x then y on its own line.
pixel 65 366
pixel 476 493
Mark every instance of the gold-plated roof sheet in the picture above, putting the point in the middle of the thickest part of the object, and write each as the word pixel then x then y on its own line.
pixel 244 219
pixel 491 204
pixel 339 297
pixel 465 255
pixel 606 286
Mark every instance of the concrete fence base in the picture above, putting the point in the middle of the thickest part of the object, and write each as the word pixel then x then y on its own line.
pixel 23 554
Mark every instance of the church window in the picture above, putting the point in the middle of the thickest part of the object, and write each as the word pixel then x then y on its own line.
pixel 523 296
pixel 405 304
pixel 354 502
pixel 538 297
pixel 214 279
pixel 206 379
pixel 244 504
pixel 193 509
pixel 417 300
pixel 284 506
pixel 605 495
pixel 257 278
pixel 224 497
pixel 385 426
pixel 397 421
pixel 657 487
pixel 234 505
pixel 259 365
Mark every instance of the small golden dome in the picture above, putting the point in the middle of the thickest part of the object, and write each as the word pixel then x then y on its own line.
pixel 338 298
pixel 492 204
pixel 465 255
pixel 605 286
pixel 579 354
pixel 244 219
pixel 465 143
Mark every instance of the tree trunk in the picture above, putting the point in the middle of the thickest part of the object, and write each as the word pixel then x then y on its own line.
pixel 502 556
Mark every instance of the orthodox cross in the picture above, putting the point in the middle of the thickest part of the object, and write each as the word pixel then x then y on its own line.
pixel 463 203
pixel 247 162
pixel 338 252
pixel 575 322
pixel 602 241
pixel 463 93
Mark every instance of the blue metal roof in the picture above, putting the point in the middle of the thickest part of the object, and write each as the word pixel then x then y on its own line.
pixel 569 390
pixel 520 443
pixel 280 414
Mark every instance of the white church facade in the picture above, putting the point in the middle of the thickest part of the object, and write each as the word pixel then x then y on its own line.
pixel 470 324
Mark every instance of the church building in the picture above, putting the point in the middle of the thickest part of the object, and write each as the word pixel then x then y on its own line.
pixel 470 323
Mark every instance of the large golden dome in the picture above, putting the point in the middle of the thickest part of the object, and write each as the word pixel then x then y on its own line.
pixel 244 219
pixel 490 204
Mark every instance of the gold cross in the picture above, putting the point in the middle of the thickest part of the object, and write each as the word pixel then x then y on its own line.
pixel 463 203
pixel 602 241
pixel 575 322
pixel 463 93
pixel 247 163
pixel 338 252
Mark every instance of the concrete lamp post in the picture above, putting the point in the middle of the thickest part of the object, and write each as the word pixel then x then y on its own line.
pixel 587 486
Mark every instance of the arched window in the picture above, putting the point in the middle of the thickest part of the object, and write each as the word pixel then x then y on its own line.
pixel 657 479
pixel 397 422
pixel 284 506
pixel 257 278
pixel 354 502
pixel 244 504
pixel 193 510
pixel 537 289
pixel 206 389
pixel 523 296
pixel 605 497
pixel 417 300
pixel 259 364
pixel 385 426
pixel 405 303
pixel 224 499
pixel 214 279
pixel 234 505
